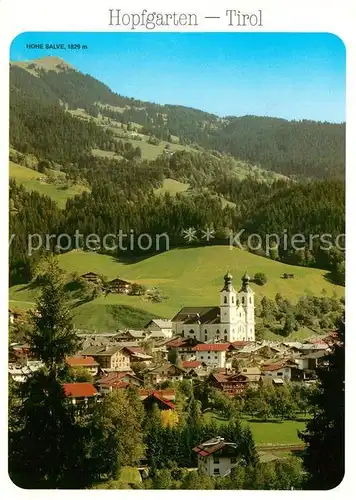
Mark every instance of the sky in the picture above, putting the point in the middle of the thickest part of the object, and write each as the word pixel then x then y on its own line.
pixel 287 75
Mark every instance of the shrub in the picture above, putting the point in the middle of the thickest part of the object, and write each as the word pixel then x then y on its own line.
pixel 260 279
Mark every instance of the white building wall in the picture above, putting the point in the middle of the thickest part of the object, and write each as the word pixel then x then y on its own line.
pixel 216 359
pixel 207 466
pixel 216 332
pixel 284 373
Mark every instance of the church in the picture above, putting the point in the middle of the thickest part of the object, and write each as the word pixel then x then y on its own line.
pixel 233 320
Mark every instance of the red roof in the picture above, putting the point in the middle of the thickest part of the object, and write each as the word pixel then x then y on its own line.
pixel 81 361
pixel 176 342
pixel 191 364
pixel 114 379
pixel 273 367
pixel 79 390
pixel 241 343
pixel 206 449
pixel 136 349
pixel 163 393
pixel 156 395
pixel 212 347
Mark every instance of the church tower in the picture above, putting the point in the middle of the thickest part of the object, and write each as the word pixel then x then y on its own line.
pixel 246 298
pixel 228 312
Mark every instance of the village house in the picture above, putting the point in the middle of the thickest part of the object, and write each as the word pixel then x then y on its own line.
pixel 168 371
pixel 233 319
pixel 188 365
pixel 168 394
pixel 256 351
pixel 229 383
pixel 310 361
pixel 21 354
pixel 161 402
pixel 285 370
pixel 253 375
pixel 216 457
pixel 131 335
pixel 185 347
pixel 309 347
pixel 162 326
pixel 117 380
pixel 91 277
pixel 137 354
pixel 87 362
pixel 213 355
pixel 195 370
pixel 115 358
pixel 20 373
pixel 118 285
pixel 80 392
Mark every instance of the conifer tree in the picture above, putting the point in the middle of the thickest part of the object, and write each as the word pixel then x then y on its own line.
pixel 324 436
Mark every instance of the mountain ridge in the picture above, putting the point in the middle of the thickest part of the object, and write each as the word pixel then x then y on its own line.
pixel 48 62
pixel 304 149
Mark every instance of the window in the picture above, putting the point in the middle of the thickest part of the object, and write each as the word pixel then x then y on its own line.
pixel 216 460
pixel 205 331
pixel 191 331
pixel 201 357
pixel 280 374
pixel 243 300
pixel 216 356
pixel 217 471
pixel 233 460
pixel 232 299
pixel 206 338
pixel 225 300
pixel 217 331
pixel 225 331
pixel 225 337
pixel 208 357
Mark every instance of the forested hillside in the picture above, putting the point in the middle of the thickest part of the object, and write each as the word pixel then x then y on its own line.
pixel 299 148
pixel 225 192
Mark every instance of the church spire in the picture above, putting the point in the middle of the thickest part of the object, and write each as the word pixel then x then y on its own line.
pixel 228 282
pixel 245 283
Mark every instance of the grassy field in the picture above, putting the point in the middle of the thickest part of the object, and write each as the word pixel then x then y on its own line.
pixel 172 186
pixel 130 475
pixel 35 181
pixel 129 478
pixel 268 433
pixel 151 151
pixel 186 276
pixel 105 154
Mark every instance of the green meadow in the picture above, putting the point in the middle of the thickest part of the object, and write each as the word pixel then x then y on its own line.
pixel 36 181
pixel 189 276
pixel 269 433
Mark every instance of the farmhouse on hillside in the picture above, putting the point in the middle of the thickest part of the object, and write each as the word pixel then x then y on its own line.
pixel 92 278
pixel 118 285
